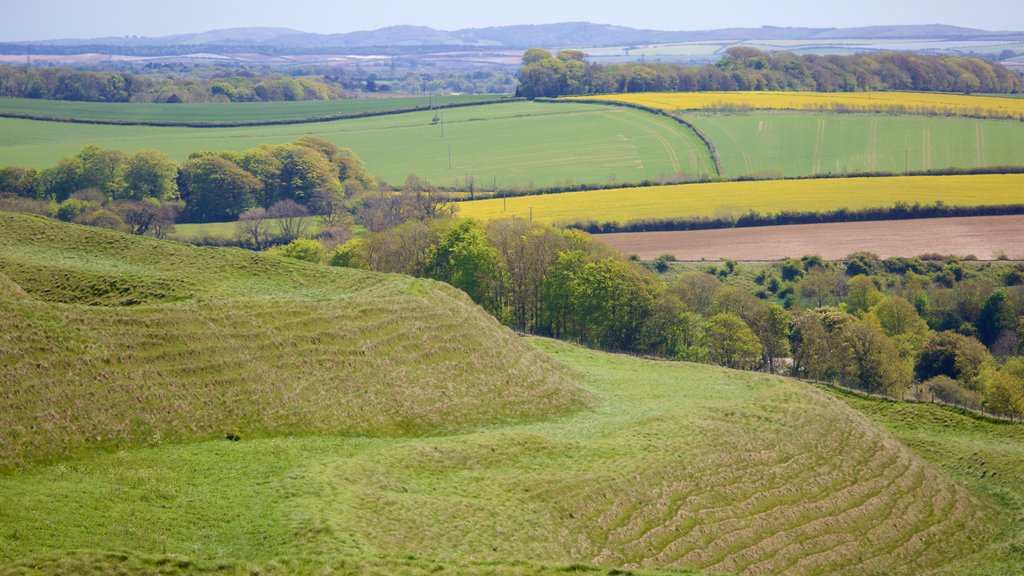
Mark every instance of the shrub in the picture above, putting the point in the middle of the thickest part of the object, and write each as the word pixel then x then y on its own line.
pixel 302 249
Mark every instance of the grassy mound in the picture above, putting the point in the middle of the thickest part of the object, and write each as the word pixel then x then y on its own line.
pixel 10 290
pixel 678 466
pixel 180 343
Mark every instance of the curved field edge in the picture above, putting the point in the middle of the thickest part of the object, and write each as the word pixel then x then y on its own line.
pixel 227 114
pixel 181 344
pixel 677 466
pixel 511 145
pixel 924 103
pixel 720 199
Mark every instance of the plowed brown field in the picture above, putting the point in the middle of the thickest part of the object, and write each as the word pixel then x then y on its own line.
pixel 984 236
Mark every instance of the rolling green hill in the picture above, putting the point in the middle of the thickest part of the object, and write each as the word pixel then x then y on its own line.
pixel 228 112
pixel 387 426
pixel 129 341
pixel 806 143
pixel 512 144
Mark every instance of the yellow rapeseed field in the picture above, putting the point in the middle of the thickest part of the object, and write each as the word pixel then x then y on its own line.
pixel 766 197
pixel 892 102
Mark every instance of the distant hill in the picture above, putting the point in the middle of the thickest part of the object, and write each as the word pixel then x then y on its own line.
pixel 521 36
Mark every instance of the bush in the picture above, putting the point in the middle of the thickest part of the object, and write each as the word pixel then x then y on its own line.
pixel 302 249
pixel 950 391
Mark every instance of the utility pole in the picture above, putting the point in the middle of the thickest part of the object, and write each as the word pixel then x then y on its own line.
pixel 449 155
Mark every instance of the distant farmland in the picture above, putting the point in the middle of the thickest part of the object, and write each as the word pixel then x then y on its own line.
pixel 928 103
pixel 226 112
pixel 984 237
pixel 516 144
pixel 766 197
pixel 804 144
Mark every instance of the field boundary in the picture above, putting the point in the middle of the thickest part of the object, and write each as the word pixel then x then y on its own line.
pixel 754 219
pixel 249 124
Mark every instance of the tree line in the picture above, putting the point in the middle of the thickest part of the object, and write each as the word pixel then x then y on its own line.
pixel 53 83
pixel 569 73
pixel 940 329
pixel 92 186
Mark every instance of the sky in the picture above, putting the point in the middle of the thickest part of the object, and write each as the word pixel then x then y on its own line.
pixel 53 19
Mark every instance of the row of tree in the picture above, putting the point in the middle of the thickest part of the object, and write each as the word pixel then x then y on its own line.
pixel 568 73
pixel 877 325
pixel 99 86
pixel 212 186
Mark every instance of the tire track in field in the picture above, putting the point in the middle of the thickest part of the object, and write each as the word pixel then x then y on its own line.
pixel 739 146
pixel 669 149
pixel 872 145
pixel 926 148
pixel 818 141
pixel 979 139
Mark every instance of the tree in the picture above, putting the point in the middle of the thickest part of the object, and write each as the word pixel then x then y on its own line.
pixel 822 287
pixel 465 259
pixel 61 181
pixel 102 168
pixel 900 321
pixel 613 300
pixel 862 295
pixel 138 216
pixel 148 174
pixel 292 219
pixel 20 181
pixel 216 189
pixel 731 343
pixel 995 318
pixel 871 360
pixel 252 227
pixel 528 251
pixel 960 357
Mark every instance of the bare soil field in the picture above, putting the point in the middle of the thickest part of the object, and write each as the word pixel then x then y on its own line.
pixel 984 236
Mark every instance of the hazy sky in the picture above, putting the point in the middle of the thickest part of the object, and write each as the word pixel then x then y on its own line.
pixel 50 19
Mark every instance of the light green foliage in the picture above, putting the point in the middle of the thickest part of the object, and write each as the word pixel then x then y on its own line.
pixel 303 249
pixel 862 295
pixel 806 143
pixel 464 258
pixel 871 360
pixel 216 189
pixel 148 174
pixel 731 343
pixel 900 320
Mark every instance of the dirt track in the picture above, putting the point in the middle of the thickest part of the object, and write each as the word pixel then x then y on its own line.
pixel 983 236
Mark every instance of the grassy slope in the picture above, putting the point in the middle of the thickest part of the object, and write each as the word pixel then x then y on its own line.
pixel 678 465
pixel 130 341
pixel 803 144
pixel 518 143
pixel 766 197
pixel 222 112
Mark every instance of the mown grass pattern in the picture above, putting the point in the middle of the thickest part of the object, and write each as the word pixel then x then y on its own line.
pixel 129 341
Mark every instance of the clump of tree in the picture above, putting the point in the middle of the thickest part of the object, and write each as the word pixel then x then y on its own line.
pixel 568 73
pixel 52 83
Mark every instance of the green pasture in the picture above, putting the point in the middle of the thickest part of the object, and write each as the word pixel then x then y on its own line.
pixel 803 143
pixel 679 466
pixel 516 144
pixel 168 409
pixel 226 112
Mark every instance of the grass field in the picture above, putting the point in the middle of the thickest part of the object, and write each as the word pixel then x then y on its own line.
pixel 804 144
pixel 130 341
pixel 387 426
pixel 224 112
pixel 766 197
pixel 928 103
pixel 515 144
pixel 678 466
